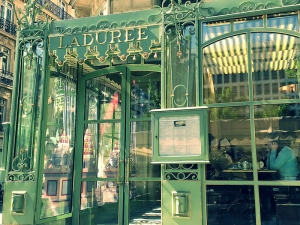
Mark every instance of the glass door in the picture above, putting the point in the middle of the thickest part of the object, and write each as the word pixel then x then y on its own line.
pixel 118 183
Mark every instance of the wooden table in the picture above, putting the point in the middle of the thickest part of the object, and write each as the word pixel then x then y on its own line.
pixel 248 171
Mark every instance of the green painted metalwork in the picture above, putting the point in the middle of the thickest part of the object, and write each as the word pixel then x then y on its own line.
pixel 24 165
pixel 24 138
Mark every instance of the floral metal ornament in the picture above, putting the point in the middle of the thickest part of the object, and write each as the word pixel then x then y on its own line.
pixel 21 168
pixel 31 16
pixel 176 16
pixel 175 12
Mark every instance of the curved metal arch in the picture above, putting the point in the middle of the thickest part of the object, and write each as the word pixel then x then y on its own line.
pixel 249 31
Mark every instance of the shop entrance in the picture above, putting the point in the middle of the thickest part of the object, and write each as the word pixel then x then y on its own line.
pixel 119 185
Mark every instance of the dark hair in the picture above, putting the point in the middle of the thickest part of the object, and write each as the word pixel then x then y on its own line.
pixel 279 141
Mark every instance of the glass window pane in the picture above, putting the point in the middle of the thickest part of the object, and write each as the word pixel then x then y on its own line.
pixel 99 193
pixel 289 22
pixel 275 56
pixel 181 66
pixel 145 93
pixel 141 151
pixel 277 124
pixel 230 205
pixel 230 144
pixel 279 204
pixel 59 145
pixel 249 22
pixel 214 29
pixel 145 204
pixel 101 150
pixel 103 97
pixel 226 58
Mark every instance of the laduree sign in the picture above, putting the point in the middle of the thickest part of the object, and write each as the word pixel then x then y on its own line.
pixel 107 43
pixel 104 37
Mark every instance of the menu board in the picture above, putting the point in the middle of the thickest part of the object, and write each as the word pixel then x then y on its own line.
pixel 179 136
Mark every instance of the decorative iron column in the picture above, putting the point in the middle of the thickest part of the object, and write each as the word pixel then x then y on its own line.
pixel 181 52
pixel 26 118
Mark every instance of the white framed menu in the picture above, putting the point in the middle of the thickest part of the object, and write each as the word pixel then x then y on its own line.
pixel 180 135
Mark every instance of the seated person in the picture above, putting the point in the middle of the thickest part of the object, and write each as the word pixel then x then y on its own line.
pixel 219 157
pixel 283 159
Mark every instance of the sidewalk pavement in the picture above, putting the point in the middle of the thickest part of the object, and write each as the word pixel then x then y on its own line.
pixel 1 213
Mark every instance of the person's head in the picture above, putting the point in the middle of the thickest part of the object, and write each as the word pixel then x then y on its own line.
pixel 271 138
pixel 224 145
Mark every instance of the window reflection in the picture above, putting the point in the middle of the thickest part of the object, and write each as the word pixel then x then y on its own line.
pixel 58 157
pixel 214 29
pixel 279 204
pixel 141 151
pixel 230 205
pixel 145 93
pixel 274 59
pixel 181 66
pixel 249 22
pixel 230 144
pixel 103 97
pixel 277 128
pixel 289 21
pixel 225 62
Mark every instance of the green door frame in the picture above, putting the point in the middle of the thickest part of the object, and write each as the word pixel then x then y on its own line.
pixel 124 178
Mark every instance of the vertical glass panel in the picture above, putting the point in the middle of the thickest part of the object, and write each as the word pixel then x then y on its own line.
pixel 141 151
pixel 214 29
pixel 103 97
pixel 102 194
pixel 101 150
pixel 222 62
pixel 277 141
pixel 249 22
pixel 275 59
pixel 145 204
pixel 230 205
pixel 181 69
pixel 230 144
pixel 279 204
pixel 145 93
pixel 289 22
pixel 58 156
pixel 29 105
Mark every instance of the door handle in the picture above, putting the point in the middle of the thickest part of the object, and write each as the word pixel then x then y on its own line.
pixel 118 171
pixel 127 161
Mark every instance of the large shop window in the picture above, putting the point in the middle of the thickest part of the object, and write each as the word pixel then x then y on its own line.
pixel 274 58
pixel 224 63
pixel 230 143
pixel 59 145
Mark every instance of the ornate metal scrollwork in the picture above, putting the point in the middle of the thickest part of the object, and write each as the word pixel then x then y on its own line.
pixel 31 19
pixel 181 176
pixel 177 11
pixel 22 163
pixel 21 176
pixel 181 172
pixel 244 7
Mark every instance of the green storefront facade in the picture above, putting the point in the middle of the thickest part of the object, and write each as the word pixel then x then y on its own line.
pixel 82 85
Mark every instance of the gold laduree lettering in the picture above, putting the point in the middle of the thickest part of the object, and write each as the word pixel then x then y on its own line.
pixel 142 33
pixel 105 37
pixel 61 42
pixel 128 34
pixel 75 42
pixel 85 39
pixel 102 37
pixel 114 37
